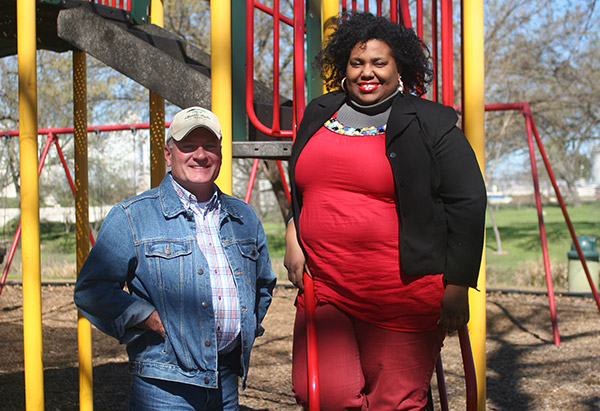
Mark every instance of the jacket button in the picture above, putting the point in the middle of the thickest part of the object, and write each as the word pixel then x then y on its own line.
pixel 204 304
pixel 206 380
pixel 207 343
pixel 392 155
pixel 200 271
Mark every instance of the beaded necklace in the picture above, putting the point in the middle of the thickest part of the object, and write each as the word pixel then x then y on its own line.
pixel 353 119
pixel 334 125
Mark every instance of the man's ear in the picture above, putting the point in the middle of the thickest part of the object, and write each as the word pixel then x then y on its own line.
pixel 167 156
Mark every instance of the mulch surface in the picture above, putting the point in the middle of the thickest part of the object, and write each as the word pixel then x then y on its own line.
pixel 525 370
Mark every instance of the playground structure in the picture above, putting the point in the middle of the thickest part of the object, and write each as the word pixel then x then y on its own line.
pixel 83 26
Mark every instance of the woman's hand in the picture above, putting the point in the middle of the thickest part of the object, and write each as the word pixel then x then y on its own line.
pixel 153 323
pixel 294 259
pixel 455 308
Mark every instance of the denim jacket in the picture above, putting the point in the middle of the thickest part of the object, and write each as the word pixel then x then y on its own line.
pixel 148 242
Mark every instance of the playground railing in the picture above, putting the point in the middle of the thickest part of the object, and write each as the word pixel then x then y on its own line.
pixel 133 10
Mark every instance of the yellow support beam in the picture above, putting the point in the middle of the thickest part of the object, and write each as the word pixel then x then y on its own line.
pixel 474 128
pixel 220 61
pixel 82 221
pixel 329 10
pixel 157 113
pixel 30 217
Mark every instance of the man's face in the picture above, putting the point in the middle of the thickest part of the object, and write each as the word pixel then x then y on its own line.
pixel 195 162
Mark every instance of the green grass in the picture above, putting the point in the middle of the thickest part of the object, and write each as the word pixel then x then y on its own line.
pixel 276 242
pixel 520 266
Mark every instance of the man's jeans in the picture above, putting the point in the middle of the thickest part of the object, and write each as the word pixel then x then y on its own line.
pixel 149 394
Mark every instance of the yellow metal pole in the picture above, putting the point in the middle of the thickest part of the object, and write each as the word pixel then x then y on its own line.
pixel 157 114
pixel 30 217
pixel 220 45
pixel 84 328
pixel 329 11
pixel 473 125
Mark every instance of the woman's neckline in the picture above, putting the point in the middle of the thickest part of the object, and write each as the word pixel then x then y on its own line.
pixel 372 109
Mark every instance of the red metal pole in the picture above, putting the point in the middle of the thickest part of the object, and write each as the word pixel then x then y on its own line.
pixel 394 11
pixel 92 128
pixel 469 368
pixel 286 188
pixel 251 180
pixel 70 179
pixel 10 257
pixel 527 112
pixel 420 19
pixel 17 235
pixel 268 10
pixel 65 167
pixel 447 57
pixel 250 76
pixel 311 343
pixel 299 29
pixel 276 127
pixel 405 11
pixel 538 204
pixel 439 374
pixel 434 51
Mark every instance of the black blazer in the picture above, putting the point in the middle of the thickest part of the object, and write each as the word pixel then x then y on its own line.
pixel 441 195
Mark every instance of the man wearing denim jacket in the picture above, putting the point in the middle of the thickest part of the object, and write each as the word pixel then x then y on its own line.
pixel 198 275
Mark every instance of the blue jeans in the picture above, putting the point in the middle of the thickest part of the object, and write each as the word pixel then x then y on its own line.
pixel 149 394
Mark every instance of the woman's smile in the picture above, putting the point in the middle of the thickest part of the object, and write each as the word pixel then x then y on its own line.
pixel 368 87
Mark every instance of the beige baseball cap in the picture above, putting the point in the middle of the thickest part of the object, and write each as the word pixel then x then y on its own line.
pixel 191 118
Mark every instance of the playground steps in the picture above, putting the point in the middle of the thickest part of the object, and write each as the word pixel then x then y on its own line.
pixel 137 55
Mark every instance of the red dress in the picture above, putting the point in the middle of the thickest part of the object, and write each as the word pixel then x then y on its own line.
pixel 349 228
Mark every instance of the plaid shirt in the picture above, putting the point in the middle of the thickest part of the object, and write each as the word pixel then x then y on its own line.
pixel 224 292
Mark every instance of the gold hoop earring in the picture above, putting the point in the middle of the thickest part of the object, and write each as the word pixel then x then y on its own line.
pixel 342 85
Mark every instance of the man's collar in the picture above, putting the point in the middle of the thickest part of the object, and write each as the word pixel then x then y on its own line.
pixel 189 198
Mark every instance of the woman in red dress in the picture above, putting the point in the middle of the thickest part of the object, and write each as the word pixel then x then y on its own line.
pixel 388 207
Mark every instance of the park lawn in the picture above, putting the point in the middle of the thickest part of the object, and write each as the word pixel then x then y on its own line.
pixel 520 266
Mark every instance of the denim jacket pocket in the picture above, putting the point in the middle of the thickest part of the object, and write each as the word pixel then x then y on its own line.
pixel 169 262
pixel 248 249
pixel 249 253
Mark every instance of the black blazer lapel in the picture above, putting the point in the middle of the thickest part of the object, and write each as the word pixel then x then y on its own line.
pixel 326 107
pixel 403 113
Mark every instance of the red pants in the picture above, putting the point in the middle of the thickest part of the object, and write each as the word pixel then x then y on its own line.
pixel 365 367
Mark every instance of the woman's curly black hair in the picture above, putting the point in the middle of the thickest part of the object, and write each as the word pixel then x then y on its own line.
pixel 411 54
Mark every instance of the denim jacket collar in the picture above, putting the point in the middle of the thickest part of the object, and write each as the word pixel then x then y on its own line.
pixel 172 206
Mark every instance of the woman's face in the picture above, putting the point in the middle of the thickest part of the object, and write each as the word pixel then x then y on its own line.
pixel 371 72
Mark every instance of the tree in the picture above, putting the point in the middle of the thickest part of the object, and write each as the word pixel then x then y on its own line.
pixel 545 53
